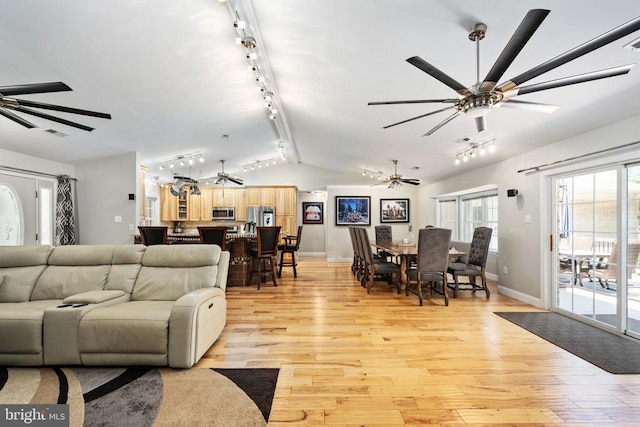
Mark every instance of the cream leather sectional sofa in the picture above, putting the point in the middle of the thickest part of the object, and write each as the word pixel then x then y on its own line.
pixel 106 305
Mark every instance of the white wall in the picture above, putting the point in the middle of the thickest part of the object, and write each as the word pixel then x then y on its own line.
pixel 522 246
pixel 103 189
pixel 36 164
pixel 339 247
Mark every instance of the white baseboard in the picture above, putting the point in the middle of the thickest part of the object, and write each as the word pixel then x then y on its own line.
pixel 528 299
pixel 492 276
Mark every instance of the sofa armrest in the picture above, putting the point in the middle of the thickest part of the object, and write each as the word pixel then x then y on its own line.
pixel 223 270
pixel 196 320
pixel 93 297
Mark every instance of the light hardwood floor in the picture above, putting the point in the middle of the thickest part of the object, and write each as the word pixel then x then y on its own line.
pixel 351 358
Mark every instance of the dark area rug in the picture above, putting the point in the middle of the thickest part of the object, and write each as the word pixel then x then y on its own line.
pixel 605 350
pixel 142 396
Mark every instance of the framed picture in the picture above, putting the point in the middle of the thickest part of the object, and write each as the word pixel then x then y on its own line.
pixel 353 210
pixel 312 212
pixel 394 210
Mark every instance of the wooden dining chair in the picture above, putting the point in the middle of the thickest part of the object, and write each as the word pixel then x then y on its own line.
pixel 213 236
pixel 375 267
pixel 153 235
pixel 291 246
pixel 265 250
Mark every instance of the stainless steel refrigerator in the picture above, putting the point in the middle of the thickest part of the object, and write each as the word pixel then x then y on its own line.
pixel 262 216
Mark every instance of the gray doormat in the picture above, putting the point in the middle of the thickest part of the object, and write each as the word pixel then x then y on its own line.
pixel 607 351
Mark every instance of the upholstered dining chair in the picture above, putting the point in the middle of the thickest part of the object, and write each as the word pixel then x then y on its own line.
pixel 265 251
pixel 374 266
pixel 477 261
pixel 384 233
pixel 291 246
pixel 355 265
pixel 432 261
pixel 213 236
pixel 153 235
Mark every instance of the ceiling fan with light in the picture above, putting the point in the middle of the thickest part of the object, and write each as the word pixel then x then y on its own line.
pixel 478 100
pixel 396 180
pixel 8 105
pixel 224 177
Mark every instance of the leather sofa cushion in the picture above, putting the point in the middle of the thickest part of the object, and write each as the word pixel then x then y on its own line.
pixel 170 283
pixel 21 266
pixel 61 281
pixel 93 297
pixel 19 282
pixel 131 327
pixel 23 256
pixel 21 326
pixel 82 255
pixel 183 256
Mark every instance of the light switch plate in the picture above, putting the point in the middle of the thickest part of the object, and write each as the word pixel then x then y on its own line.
pixel 118 218
pixel 528 219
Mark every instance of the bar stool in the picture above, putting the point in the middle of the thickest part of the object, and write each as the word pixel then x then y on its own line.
pixel 265 250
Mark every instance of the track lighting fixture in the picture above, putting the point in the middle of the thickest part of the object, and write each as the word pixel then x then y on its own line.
pixel 180 160
pixel 259 164
pixel 374 174
pixel 473 149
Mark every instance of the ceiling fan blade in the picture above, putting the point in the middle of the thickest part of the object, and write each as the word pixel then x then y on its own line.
pixel 481 123
pixel 417 117
pixel 33 88
pixel 416 61
pixel 54 118
pixel 236 181
pixel 572 54
pixel 442 123
pixel 523 33
pixel 410 181
pixel 9 115
pixel 530 106
pixel 35 104
pixel 579 78
pixel 415 101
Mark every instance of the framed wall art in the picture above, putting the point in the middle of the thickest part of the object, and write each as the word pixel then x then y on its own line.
pixel 351 210
pixel 312 212
pixel 394 210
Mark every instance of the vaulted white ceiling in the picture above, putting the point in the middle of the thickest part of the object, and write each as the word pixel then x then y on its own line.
pixel 174 80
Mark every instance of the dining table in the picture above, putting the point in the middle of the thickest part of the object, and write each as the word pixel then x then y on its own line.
pixel 404 251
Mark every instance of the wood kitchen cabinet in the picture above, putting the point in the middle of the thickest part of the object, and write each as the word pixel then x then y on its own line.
pixel 268 196
pixel 240 204
pixel 193 206
pixel 168 205
pixel 223 197
pixel 206 203
pixel 286 199
pixel 253 196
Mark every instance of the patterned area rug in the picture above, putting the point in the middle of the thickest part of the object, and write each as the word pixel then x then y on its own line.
pixel 607 351
pixel 146 396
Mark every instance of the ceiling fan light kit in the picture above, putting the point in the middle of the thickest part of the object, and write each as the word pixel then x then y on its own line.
pixel 478 100
pixel 394 181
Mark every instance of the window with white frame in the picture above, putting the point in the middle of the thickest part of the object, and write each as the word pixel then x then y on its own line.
pixel 463 214
pixel 447 215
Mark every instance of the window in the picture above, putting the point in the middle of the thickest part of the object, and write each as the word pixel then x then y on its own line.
pixel 447 215
pixel 470 211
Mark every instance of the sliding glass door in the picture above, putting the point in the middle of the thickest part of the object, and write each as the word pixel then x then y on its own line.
pixel 631 293
pixel 585 236
pixel 596 237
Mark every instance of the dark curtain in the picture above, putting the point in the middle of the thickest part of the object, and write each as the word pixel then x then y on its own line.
pixel 65 224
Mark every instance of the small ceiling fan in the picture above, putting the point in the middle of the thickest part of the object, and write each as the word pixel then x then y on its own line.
pixel 477 101
pixel 224 177
pixel 396 180
pixel 8 105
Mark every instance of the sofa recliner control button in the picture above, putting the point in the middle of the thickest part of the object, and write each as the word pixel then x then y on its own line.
pixel 210 305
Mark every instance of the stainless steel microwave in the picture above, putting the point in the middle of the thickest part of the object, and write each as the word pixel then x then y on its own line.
pixel 223 213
